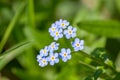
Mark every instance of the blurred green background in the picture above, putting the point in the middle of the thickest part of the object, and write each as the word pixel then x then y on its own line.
pixel 24 28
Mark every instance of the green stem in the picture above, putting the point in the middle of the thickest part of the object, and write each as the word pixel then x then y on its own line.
pixel 11 26
pixel 87 65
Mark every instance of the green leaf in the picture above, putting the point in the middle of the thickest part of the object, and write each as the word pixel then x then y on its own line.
pixel 101 27
pixel 13 52
pixel 11 26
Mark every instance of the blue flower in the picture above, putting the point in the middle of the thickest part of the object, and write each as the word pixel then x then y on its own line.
pixel 52 29
pixel 62 24
pixel 53 58
pixel 65 54
pixel 43 62
pixel 44 52
pixel 70 32
pixel 57 34
pixel 53 46
pixel 78 44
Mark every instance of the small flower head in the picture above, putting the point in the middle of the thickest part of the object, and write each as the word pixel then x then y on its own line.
pixel 70 32
pixel 57 34
pixel 62 23
pixel 65 54
pixel 53 58
pixel 43 62
pixel 53 46
pixel 52 29
pixel 78 44
pixel 44 52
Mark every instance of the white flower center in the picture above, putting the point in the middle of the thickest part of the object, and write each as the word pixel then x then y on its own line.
pixel 44 61
pixel 53 29
pixel 77 44
pixel 44 51
pixel 52 58
pixel 64 54
pixel 52 46
pixel 70 31
pixel 62 24
pixel 57 33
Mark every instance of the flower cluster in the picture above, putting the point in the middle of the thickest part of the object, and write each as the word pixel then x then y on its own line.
pixel 47 55
pixel 58 30
pixel 62 28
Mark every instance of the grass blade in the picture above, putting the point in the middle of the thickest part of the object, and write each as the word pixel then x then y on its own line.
pixel 11 26
pixel 13 52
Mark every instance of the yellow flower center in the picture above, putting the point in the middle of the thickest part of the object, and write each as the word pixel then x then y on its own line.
pixel 53 46
pixel 52 58
pixel 70 32
pixel 78 44
pixel 65 54
pixel 62 24
pixel 44 61
pixel 44 51
pixel 53 29
pixel 57 33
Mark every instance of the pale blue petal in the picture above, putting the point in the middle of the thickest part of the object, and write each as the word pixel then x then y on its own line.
pixel 65 31
pixel 55 38
pixel 70 27
pixel 69 56
pixel 73 35
pixel 64 59
pixel 81 47
pixel 76 48
pixel 77 40
pixel 51 53
pixel 61 35
pixel 68 36
pixel 68 51
pixel 56 54
pixel 56 60
pixel 51 62
pixel 63 50
pixel 74 29
pixel 60 31
pixel 82 42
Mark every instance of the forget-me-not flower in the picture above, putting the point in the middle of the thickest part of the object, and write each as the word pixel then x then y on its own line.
pixel 53 58
pixel 62 23
pixel 53 46
pixel 78 44
pixel 65 54
pixel 44 52
pixel 43 62
pixel 57 34
pixel 70 32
